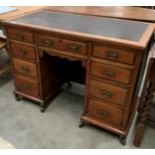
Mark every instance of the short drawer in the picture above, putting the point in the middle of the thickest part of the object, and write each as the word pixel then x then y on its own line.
pixel 108 92
pixel 24 67
pixel 20 35
pixel 62 44
pixel 23 51
pixel 105 112
pixel 27 86
pixel 111 72
pixel 117 55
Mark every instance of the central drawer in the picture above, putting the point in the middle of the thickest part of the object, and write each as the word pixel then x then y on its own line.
pixel 25 67
pixel 111 72
pixel 62 44
pixel 108 92
pixel 106 112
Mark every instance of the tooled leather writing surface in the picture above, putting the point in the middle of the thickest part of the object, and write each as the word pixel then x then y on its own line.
pixel 107 27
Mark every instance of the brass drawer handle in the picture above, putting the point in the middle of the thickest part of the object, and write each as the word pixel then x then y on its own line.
pixel 48 43
pixel 104 113
pixel 23 51
pixel 72 47
pixel 26 86
pixel 112 55
pixel 19 36
pixel 110 73
pixel 106 93
pixel 25 69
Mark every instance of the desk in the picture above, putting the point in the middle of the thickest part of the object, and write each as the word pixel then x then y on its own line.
pixel 111 52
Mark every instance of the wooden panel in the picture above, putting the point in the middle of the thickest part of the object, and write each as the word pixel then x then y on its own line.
pixel 105 111
pixel 26 85
pixel 111 72
pixel 62 44
pixel 20 35
pixel 25 67
pixel 114 54
pixel 122 12
pixel 23 51
pixel 108 92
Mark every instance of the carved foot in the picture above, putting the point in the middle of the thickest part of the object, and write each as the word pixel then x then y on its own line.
pixel 69 84
pixel 82 124
pixel 17 97
pixel 122 140
pixel 42 109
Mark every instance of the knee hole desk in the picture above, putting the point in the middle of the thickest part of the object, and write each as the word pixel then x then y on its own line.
pixel 109 54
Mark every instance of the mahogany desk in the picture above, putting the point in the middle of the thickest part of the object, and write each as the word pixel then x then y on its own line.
pixel 111 52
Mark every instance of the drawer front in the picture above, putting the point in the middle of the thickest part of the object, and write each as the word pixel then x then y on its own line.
pixel 111 72
pixel 23 51
pixel 20 35
pixel 105 112
pixel 25 67
pixel 108 92
pixel 114 54
pixel 62 44
pixel 27 86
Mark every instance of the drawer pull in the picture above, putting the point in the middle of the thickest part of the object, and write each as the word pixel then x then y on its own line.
pixel 104 113
pixel 26 86
pixel 25 69
pixel 106 93
pixel 73 48
pixel 109 73
pixel 23 51
pixel 48 43
pixel 112 55
pixel 19 36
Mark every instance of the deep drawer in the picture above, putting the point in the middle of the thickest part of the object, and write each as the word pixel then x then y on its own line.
pixel 111 72
pixel 62 44
pixel 27 86
pixel 24 67
pixel 23 51
pixel 108 92
pixel 20 35
pixel 114 54
pixel 105 112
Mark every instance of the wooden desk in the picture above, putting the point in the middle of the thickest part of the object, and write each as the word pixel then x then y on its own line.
pixel 121 12
pixel 111 52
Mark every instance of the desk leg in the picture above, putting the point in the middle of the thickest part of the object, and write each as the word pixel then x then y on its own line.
pixel 144 114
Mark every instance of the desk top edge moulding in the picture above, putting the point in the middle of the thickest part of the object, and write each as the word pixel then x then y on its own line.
pixel 106 29
pixel 112 55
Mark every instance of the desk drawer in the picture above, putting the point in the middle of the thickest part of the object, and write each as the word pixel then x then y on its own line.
pixel 25 67
pixel 23 51
pixel 108 92
pixel 105 111
pixel 26 85
pixel 62 44
pixel 111 72
pixel 114 54
pixel 20 35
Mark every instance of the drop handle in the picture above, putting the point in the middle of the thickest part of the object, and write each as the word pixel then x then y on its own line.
pixel 19 36
pixel 112 55
pixel 48 43
pixel 23 51
pixel 104 113
pixel 73 48
pixel 109 73
pixel 25 69
pixel 26 86
pixel 106 93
